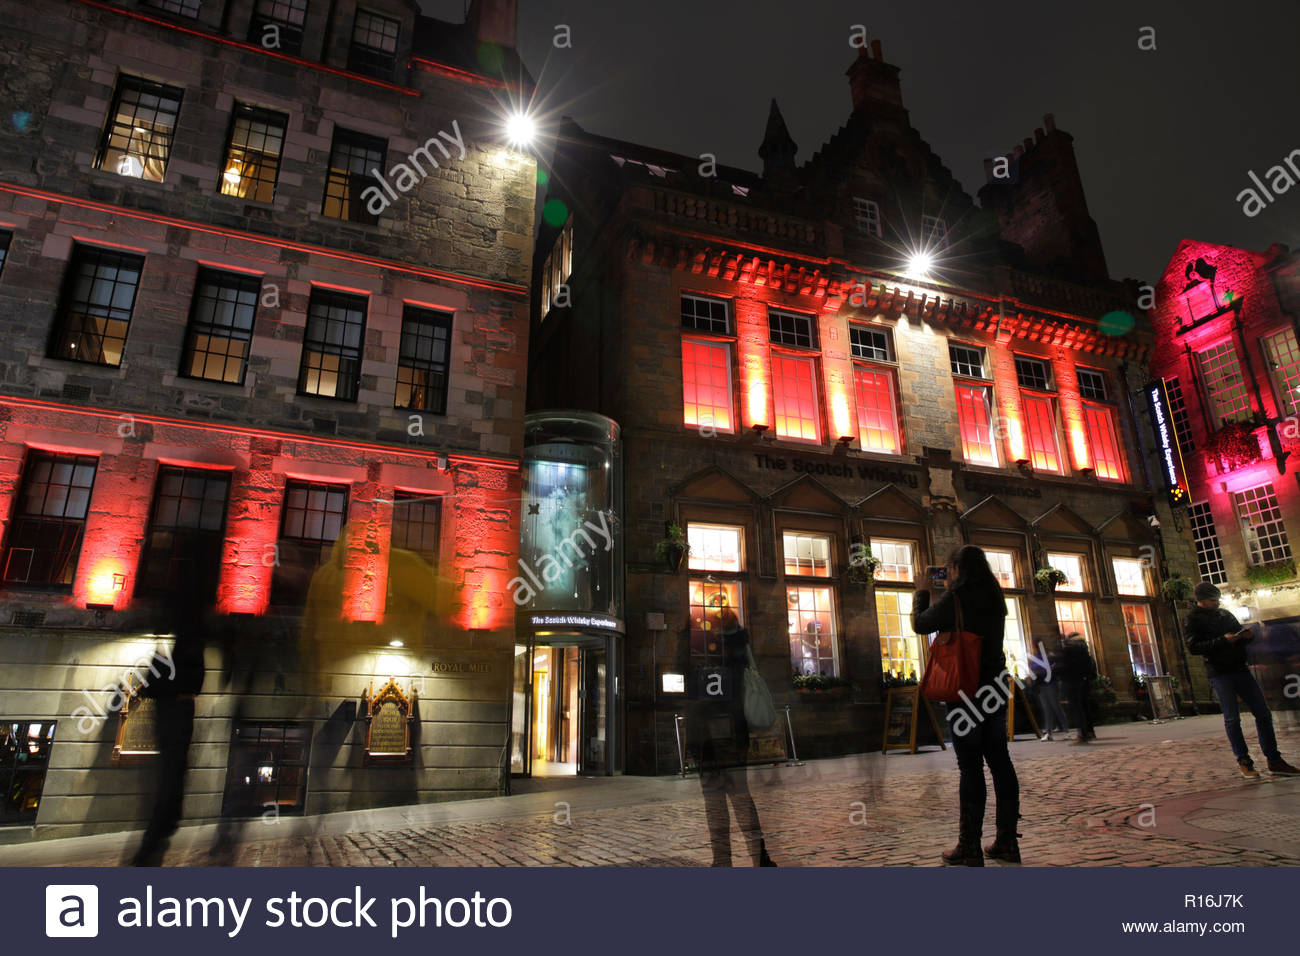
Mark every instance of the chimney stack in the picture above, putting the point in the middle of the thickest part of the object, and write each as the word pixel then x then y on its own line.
pixel 873 82
pixel 494 21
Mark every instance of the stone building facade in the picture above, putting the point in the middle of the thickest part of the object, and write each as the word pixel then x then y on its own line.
pixel 264 299
pixel 1227 327
pixel 844 357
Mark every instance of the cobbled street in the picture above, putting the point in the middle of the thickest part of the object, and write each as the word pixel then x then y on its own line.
pixel 1142 795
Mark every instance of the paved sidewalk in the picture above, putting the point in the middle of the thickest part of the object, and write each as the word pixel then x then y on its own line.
pixel 1141 795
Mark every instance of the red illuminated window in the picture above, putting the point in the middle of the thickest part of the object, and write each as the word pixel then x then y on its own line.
pixel 706 384
pixel 1040 425
pixel 1224 382
pixel 313 517
pixel 49 519
pixel 185 530
pixel 976 430
pixel 1107 460
pixel 794 390
pixel 1284 358
pixel 877 419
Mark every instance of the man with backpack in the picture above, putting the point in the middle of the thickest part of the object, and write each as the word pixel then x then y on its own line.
pixel 1217 635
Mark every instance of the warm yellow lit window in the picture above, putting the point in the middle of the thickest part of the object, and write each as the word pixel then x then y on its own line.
pixel 808 554
pixel 715 547
pixel 897 561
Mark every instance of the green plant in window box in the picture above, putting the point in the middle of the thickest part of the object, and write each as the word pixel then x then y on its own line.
pixel 1139 685
pixel 1177 589
pixel 672 547
pixel 1275 572
pixel 818 682
pixel 1048 578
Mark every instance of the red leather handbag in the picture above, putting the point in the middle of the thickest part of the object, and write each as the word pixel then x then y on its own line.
pixel 954 665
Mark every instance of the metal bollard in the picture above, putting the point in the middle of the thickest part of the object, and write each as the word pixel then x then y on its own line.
pixel 794 751
pixel 681 754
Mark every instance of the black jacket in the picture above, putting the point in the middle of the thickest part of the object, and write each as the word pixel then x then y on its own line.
pixel 1206 630
pixel 982 612
pixel 1077 665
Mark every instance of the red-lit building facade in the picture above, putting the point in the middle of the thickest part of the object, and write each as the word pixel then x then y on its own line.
pixel 795 388
pixel 1227 323
pixel 264 296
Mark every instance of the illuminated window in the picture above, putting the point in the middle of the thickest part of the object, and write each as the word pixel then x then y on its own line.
pixel 1261 525
pixel 417 525
pixel 24 757
pixel 866 216
pixel 48 520
pixel 1072 618
pixel 186 528
pixel 1107 461
pixel 811 619
pixel 374 45
pixel 807 554
pixel 137 138
pixel 1003 564
pixel 872 344
pixel 974 416
pixel 1130 577
pixel 556 271
pixel 277 25
pixel 934 232
pixel 1199 301
pixel 331 346
pixel 794 393
pixel 715 547
pixel 706 384
pixel 1178 410
pixel 95 311
pixel 5 237
pixel 422 360
pixel 900 649
pixel 1033 373
pixel 1015 640
pixel 253 154
pixel 705 314
pixel 873 389
pixel 313 515
pixel 352 156
pixel 966 361
pixel 1072 566
pixel 708 600
pixel 220 326
pixel 1224 383
pixel 792 328
pixel 1143 653
pixel 186 8
pixel 1209 558
pixel 1040 426
pixel 267 768
pixel 1284 359
pixel 897 560
pixel 1092 385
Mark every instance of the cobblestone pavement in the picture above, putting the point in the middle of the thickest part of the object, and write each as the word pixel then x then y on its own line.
pixel 1142 795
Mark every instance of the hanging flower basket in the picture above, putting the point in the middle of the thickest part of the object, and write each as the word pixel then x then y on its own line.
pixel 1267 575
pixel 862 570
pixel 1177 589
pixel 1048 578
pixel 1234 445
pixel 672 548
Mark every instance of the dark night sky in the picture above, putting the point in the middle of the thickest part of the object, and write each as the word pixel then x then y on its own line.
pixel 1164 138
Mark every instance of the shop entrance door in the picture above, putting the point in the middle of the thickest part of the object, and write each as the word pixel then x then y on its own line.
pixel 559 722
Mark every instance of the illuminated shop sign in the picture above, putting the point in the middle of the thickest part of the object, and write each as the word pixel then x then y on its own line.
pixel 603 621
pixel 1171 459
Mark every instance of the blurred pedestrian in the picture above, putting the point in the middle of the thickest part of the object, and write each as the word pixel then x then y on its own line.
pixel 719 735
pixel 1217 635
pixel 1046 670
pixel 1078 671
pixel 978 737
pixel 174 685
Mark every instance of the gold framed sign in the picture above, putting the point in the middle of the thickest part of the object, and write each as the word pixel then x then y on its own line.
pixel 389 715
pixel 137 724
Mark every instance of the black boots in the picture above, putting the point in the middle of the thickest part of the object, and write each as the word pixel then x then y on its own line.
pixel 967 851
pixel 1006 847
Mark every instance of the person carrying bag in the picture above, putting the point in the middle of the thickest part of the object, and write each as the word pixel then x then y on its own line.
pixel 954 666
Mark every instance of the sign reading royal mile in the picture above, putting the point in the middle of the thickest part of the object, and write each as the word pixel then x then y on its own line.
pixel 1171 458
pixel 864 471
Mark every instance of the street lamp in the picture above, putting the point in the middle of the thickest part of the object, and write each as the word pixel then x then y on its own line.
pixel 521 130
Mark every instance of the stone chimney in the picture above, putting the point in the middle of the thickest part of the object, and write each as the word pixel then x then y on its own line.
pixel 873 82
pixel 494 21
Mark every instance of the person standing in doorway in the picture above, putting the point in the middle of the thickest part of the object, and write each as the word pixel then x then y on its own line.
pixel 1079 670
pixel 978 737
pixel 1216 635
pixel 1046 671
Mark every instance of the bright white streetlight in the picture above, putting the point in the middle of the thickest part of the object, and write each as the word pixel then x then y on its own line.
pixel 520 130
pixel 919 265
